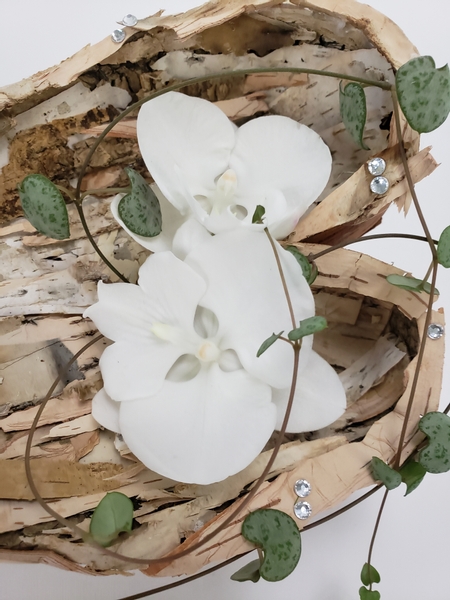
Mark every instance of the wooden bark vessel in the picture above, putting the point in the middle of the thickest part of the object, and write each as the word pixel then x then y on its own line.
pixel 47 126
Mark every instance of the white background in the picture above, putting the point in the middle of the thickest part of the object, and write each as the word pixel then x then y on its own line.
pixel 412 551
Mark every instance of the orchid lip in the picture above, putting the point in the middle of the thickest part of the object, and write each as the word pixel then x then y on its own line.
pixel 191 343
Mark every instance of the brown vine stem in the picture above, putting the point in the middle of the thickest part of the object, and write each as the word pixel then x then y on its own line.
pixel 420 355
pixel 169 586
pixel 365 238
pixel 163 560
pixel 211 77
pixel 79 208
pixel 111 190
pixel 283 279
pixel 432 246
pixel 375 529
pixel 329 517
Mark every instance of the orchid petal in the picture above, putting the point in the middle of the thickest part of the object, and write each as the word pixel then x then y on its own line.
pixel 172 220
pixel 246 294
pixel 112 320
pixel 175 130
pixel 319 398
pixel 189 235
pixel 277 153
pixel 172 290
pixel 105 411
pixel 203 430
pixel 131 370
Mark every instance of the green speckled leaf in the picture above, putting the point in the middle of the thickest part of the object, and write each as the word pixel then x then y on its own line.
pixel 412 474
pixel 278 536
pixel 369 574
pixel 435 458
pixel 259 213
pixel 309 273
pixel 44 206
pixel 443 248
pixel 267 343
pixel 308 327
pixel 352 103
pixel 424 93
pixel 366 594
pixel 249 572
pixel 113 515
pixel 411 284
pixel 383 472
pixel 140 210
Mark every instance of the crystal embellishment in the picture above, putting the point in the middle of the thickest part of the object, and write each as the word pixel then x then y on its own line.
pixel 435 331
pixel 302 510
pixel 118 35
pixel 302 488
pixel 376 166
pixel 129 20
pixel 379 185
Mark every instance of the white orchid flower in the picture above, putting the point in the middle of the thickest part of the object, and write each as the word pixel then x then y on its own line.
pixel 182 382
pixel 209 169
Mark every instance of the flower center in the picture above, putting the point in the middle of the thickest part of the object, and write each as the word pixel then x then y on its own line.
pixel 188 342
pixel 225 191
pixel 208 352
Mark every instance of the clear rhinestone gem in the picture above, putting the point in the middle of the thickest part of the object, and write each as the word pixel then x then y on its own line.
pixel 376 166
pixel 302 488
pixel 379 185
pixel 129 20
pixel 435 331
pixel 302 510
pixel 118 35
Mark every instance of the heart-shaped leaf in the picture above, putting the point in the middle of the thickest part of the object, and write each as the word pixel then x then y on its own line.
pixel 352 103
pixel 249 572
pixel 366 594
pixel 309 271
pixel 435 458
pixel 424 93
pixel 267 343
pixel 140 209
pixel 113 515
pixel 44 206
pixel 411 284
pixel 308 327
pixel 412 474
pixel 278 536
pixel 383 472
pixel 443 248
pixel 259 213
pixel 369 574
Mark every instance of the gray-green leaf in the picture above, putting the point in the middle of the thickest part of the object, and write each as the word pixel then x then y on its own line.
pixel 267 343
pixel 435 458
pixel 412 474
pixel 309 273
pixel 308 327
pixel 366 594
pixel 424 93
pixel 113 515
pixel 140 209
pixel 411 284
pixel 278 536
pixel 259 213
pixel 369 574
pixel 249 572
pixel 44 206
pixel 443 248
pixel 383 472
pixel 352 102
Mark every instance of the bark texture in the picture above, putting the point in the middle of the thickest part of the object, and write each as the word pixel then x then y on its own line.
pixel 47 125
